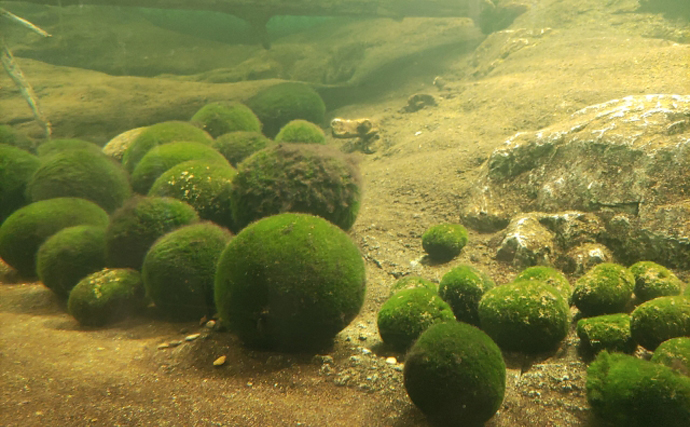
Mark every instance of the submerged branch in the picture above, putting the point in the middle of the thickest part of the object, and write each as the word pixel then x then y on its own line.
pixel 23 22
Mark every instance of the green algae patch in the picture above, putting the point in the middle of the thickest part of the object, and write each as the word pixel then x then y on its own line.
pixel 653 280
pixel 674 353
pixel 609 332
pixel 56 146
pixel 237 146
pixel 660 319
pixel 606 288
pixel 301 131
pixel 444 242
pixel 220 118
pixel 412 282
pixel 462 288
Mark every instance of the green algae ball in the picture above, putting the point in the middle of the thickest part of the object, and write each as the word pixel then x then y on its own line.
pixel 674 353
pixel 462 288
pixel 106 296
pixel 301 131
pixel 444 242
pixel 135 226
pixel 660 319
pixel 548 275
pixel 455 374
pixel 59 145
pixel 607 332
pixel 27 228
pixel 526 316
pixel 220 118
pixel 308 178
pixel 9 136
pixel 237 146
pixel 16 168
pixel 626 391
pixel 70 255
pixel 653 280
pixel 289 282
pixel 408 313
pixel 606 288
pixel 413 282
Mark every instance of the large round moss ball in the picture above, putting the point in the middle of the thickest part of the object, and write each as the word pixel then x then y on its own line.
pixel 134 227
pixel 455 375
pixel 106 296
pixel 301 131
pixel 525 316
pixel 607 332
pixel 307 178
pixel 16 168
pixel 413 282
pixel 70 255
pixel 674 353
pixel 653 280
pixel 548 275
pixel 55 146
pixel 277 105
pixel 606 288
pixel 444 242
pixel 462 288
pixel 406 314
pixel 180 268
pixel 27 228
pixel 626 391
pixel 660 319
pixel 220 118
pixel 237 146
pixel 289 281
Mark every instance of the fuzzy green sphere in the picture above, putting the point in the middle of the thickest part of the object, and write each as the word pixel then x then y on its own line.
pixel 70 255
pixel 413 282
pixel 462 288
pixel 607 332
pixel 406 314
pixel 455 374
pixel 219 118
pixel 106 296
pixel 237 146
pixel 653 280
pixel 16 168
pixel 525 316
pixel 134 227
pixel 301 131
pixel 284 102
pixel 674 353
pixel 308 178
pixel 27 228
pixel 180 268
pixel 626 391
pixel 657 320
pixel 289 281
pixel 548 275
pixel 444 242
pixel 9 136
pixel 606 288
pixel 59 145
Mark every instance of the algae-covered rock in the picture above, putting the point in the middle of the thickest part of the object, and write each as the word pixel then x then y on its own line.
pixel 462 288
pixel 237 146
pixel 653 280
pixel 527 242
pixel 547 275
pixel 609 332
pixel 301 131
pixel 674 353
pixel 660 319
pixel 444 242
pixel 606 288
pixel 16 168
pixel 412 282
pixel 220 118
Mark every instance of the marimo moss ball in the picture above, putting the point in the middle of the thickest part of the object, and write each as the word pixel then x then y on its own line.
pixel 626 391
pixel 526 316
pixel 88 174
pixel 301 131
pixel 106 296
pixel 70 255
pixel 653 280
pixel 674 353
pixel 9 136
pixel 462 288
pixel 413 282
pixel 237 146
pixel 308 178
pixel 406 314
pixel 606 288
pixel 27 228
pixel 59 145
pixel 180 268
pixel 134 227
pixel 455 375
pixel 444 242
pixel 548 275
pixel 220 118
pixel 608 332
pixel 289 282
pixel 277 105
pixel 660 319
pixel 16 168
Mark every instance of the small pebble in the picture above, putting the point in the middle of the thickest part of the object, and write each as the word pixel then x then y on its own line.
pixel 391 360
pixel 174 343
pixel 220 361
pixel 163 346
pixel 192 337
pixel 366 350
pixel 210 324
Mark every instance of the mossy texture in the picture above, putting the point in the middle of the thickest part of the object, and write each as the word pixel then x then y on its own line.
pixel 59 145
pixel 526 316
pixel 16 168
pixel 237 146
pixel 220 118
pixel 413 282
pixel 653 280
pixel 660 319
pixel 609 332
pixel 289 281
pixel 306 178
pixel 606 288
pixel 406 314
pixel 462 288
pixel 70 255
pixel 9 136
pixel 444 242
pixel 548 275
pixel 455 374
pixel 301 131
pixel 626 391
pixel 674 353
pixel 27 228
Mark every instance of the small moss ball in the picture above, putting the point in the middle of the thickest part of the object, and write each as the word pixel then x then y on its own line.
pixel 607 332
pixel 462 288
pixel 87 174
pixel 308 178
pixel 406 314
pixel 220 118
pixel 444 242
pixel 237 146
pixel 135 226
pixel 59 145
pixel 548 275
pixel 70 255
pixel 526 316
pixel 606 288
pixel 180 268
pixel 9 136
pixel 413 282
pixel 626 391
pixel 106 296
pixel 455 374
pixel 660 319
pixel 674 353
pixel 653 280
pixel 277 105
pixel 289 281
pixel 16 168
pixel 301 131
pixel 27 228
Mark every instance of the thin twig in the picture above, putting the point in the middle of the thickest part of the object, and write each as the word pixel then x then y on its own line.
pixel 24 22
